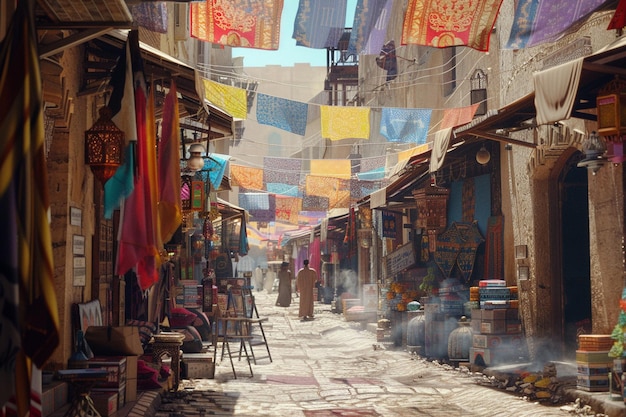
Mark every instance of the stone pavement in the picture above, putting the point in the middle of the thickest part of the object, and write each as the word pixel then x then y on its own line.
pixel 331 367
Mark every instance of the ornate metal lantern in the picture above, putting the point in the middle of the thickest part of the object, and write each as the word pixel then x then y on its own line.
pixel 432 205
pixel 104 146
pixel 611 104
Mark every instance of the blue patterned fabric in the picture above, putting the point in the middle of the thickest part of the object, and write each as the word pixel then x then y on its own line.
pixel 268 215
pixel 405 125
pixel 254 201
pixel 367 14
pixel 319 23
pixel 375 174
pixel 283 189
pixel 282 113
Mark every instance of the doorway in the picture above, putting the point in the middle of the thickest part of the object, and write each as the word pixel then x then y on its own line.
pixel 575 264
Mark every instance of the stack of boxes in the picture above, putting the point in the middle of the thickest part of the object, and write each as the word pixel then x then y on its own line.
pixel 593 362
pixel 497 330
pixel 110 395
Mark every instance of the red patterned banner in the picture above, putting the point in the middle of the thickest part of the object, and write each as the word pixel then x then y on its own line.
pixel 243 23
pixel 443 23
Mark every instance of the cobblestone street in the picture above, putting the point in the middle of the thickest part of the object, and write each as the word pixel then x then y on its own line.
pixel 331 367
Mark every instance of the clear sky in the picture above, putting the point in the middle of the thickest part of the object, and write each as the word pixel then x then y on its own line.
pixel 288 53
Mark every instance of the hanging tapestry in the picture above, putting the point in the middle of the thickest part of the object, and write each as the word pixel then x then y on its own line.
pixel 539 21
pixel 405 125
pixel 447 250
pixel 152 16
pixel 215 166
pixel 314 203
pixel 288 209
pixel 444 23
pixel 470 240
pixel 337 168
pixel 369 164
pixel 458 116
pixel 319 23
pixel 375 174
pixel 268 215
pixel 494 253
pixel 254 201
pixel 242 23
pixel 367 14
pixel 247 177
pixel 389 224
pixel 345 122
pixel 289 115
pixel 283 189
pixel 468 199
pixel 282 170
pixel 231 100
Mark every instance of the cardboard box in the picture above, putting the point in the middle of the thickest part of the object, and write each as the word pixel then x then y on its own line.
pixel 131 378
pixel 495 314
pixel 104 402
pixel 475 325
pixel 116 368
pixel 120 394
pixel 496 341
pixel 493 326
pixel 477 314
pixel 199 365
pixel 513 327
pixel 593 357
pixel 592 369
pixel 512 314
pixel 593 383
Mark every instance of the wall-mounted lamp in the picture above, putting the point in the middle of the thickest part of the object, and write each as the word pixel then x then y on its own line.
pixel 195 161
pixel 594 149
pixel 483 156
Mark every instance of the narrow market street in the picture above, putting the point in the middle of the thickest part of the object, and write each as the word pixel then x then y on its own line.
pixel 331 367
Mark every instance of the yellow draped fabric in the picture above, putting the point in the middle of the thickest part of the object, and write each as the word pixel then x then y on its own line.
pixel 338 168
pixel 247 177
pixel 232 100
pixel 345 122
pixel 414 151
pixel 458 116
pixel 288 209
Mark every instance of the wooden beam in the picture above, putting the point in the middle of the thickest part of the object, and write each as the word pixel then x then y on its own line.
pixel 71 41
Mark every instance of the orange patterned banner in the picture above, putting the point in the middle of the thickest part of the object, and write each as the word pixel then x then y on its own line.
pixel 444 23
pixel 288 209
pixel 243 23
pixel 246 177
pixel 335 189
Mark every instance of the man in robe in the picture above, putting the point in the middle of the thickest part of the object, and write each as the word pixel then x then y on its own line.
pixel 284 286
pixel 306 278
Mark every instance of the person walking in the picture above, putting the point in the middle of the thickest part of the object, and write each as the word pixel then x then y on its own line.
pixel 284 286
pixel 306 278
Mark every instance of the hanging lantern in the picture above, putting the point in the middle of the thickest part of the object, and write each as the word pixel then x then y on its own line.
pixel 195 161
pixel 611 105
pixel 104 145
pixel 432 203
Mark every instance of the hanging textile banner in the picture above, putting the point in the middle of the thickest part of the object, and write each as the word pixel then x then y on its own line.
pixel 458 116
pixel 232 100
pixel 242 23
pixel 152 16
pixel 282 113
pixel 442 24
pixel 366 17
pixel 539 21
pixel 337 168
pixel 345 122
pixel 319 23
pixel 247 177
pixel 405 125
pixel 282 170
pixel 283 189
pixel 288 209
pixel 254 201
